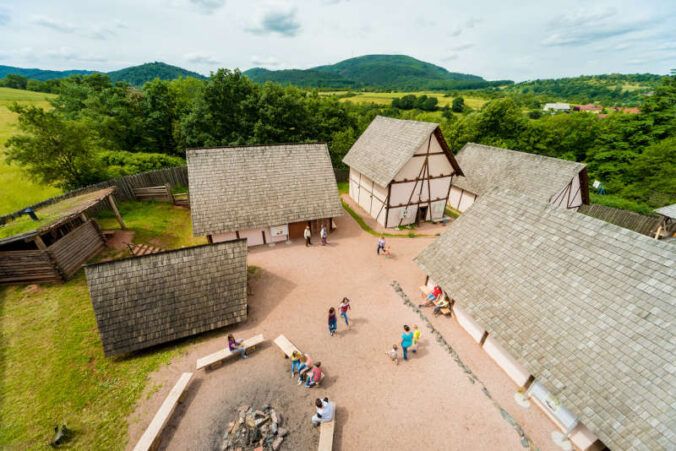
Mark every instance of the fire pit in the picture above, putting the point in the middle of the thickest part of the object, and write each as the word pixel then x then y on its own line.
pixel 258 430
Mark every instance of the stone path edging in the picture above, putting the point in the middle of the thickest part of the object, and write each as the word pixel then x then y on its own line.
pixel 525 441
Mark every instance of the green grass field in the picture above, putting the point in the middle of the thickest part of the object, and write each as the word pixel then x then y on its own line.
pixel 16 189
pixel 52 368
pixel 385 98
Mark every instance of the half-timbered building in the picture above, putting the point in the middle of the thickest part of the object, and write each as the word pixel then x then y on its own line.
pixel 401 171
pixel 560 182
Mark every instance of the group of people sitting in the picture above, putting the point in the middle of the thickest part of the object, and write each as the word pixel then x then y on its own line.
pixel 308 372
pixel 437 299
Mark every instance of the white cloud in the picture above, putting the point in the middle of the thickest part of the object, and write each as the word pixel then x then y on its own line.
pixel 208 6
pixel 270 61
pixel 54 24
pixel 200 58
pixel 275 19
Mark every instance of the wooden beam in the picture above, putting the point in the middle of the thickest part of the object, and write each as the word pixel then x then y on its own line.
pixel 415 180
pixel 39 243
pixel 117 213
pixel 431 153
pixel 387 201
pixel 483 338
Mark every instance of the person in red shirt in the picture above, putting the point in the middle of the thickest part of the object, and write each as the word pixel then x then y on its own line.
pixel 436 292
pixel 315 375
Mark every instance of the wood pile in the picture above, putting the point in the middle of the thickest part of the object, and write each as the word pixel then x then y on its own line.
pixel 255 430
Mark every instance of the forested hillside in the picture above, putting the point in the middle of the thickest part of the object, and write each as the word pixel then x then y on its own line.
pixel 383 72
pixel 138 75
pixel 97 129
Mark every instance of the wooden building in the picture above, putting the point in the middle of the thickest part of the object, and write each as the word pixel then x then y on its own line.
pixel 560 182
pixel 53 247
pixel 144 301
pixel 266 194
pixel 578 311
pixel 401 171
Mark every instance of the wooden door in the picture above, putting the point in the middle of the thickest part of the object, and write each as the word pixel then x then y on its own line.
pixel 296 229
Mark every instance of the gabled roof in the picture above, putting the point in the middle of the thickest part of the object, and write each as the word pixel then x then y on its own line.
pixel 152 299
pixel 669 211
pixel 587 307
pixel 537 176
pixel 51 216
pixel 237 188
pixel 388 144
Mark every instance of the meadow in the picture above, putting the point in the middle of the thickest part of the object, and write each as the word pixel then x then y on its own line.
pixel 385 98
pixel 52 367
pixel 16 188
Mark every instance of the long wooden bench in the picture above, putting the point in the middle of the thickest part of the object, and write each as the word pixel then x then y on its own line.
pixel 326 432
pixel 286 346
pixel 426 292
pixel 214 360
pixel 152 436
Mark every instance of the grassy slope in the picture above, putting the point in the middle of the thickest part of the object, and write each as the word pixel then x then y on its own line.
pixel 52 368
pixel 16 190
pixel 385 98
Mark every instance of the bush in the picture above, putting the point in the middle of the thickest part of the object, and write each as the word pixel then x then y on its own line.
pixel 121 163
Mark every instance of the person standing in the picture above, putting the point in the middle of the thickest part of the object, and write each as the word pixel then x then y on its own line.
pixel 324 411
pixel 381 244
pixel 406 341
pixel 344 307
pixel 393 354
pixel 235 346
pixel 308 235
pixel 416 337
pixel 323 235
pixel 333 322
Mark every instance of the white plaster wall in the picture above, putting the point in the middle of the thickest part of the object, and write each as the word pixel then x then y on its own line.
pixel 466 201
pixel 393 218
pixel 401 192
pixel 411 169
pixel 576 197
pixel 380 192
pixel 438 205
pixel 220 237
pixel 454 197
pixel 376 206
pixel 439 165
pixel 509 364
pixel 469 324
pixel 366 182
pixel 254 237
pixel 439 187
pixel 354 185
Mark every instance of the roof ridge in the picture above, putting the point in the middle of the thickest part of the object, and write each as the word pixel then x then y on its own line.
pixel 521 152
pixel 249 146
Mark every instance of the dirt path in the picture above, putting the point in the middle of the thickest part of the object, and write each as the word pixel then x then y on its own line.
pixel 428 402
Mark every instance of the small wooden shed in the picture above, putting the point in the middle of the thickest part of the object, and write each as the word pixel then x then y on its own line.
pixel 401 171
pixel 52 247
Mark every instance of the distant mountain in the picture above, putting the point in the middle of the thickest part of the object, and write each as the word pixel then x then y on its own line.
pixel 40 74
pixel 135 75
pixel 399 72
pixel 138 75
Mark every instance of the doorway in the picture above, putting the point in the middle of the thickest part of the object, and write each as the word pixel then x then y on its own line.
pixel 422 214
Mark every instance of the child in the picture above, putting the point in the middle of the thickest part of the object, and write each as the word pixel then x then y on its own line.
pixel 315 375
pixel 344 307
pixel 416 337
pixel 304 368
pixel 236 346
pixel 295 362
pixel 394 354
pixel 386 251
pixel 332 321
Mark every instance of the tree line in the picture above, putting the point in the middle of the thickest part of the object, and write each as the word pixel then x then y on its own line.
pixel 97 129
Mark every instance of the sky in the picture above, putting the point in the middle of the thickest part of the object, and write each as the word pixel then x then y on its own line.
pixel 496 39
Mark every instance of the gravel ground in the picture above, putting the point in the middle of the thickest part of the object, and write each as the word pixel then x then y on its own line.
pixel 429 402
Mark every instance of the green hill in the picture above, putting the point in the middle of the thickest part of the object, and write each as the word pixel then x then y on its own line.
pixel 138 75
pixel 135 75
pixel 395 72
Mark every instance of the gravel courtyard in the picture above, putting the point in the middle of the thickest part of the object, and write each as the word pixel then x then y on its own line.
pixel 430 402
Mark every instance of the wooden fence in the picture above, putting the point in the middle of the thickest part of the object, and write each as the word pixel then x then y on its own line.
pixel 644 224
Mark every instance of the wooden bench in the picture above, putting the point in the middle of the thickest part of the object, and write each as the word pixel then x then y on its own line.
pixel 214 360
pixel 326 432
pixel 286 346
pixel 162 192
pixel 425 290
pixel 151 437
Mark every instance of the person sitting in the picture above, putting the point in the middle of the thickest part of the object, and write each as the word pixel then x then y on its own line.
pixel 305 366
pixel 436 292
pixel 442 303
pixel 235 346
pixel 315 375
pixel 324 411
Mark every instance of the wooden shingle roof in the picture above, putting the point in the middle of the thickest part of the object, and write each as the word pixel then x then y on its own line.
pixel 669 211
pixel 388 144
pixel 537 176
pixel 237 188
pixel 587 307
pixel 152 299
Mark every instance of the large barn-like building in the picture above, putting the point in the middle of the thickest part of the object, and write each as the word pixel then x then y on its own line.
pixel 152 299
pixel 265 194
pixel 585 308
pixel 560 182
pixel 401 171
